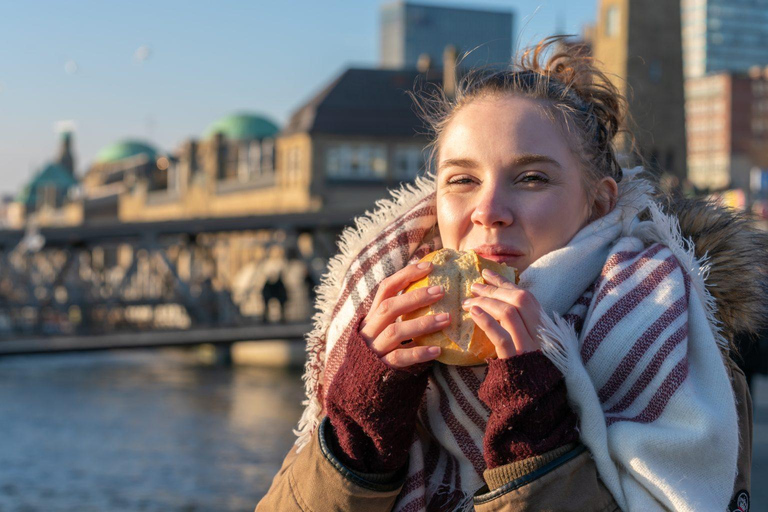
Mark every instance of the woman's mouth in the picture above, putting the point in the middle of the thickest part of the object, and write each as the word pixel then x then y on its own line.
pixel 499 258
pixel 498 252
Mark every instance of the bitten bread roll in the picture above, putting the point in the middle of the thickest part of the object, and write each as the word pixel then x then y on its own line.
pixel 463 343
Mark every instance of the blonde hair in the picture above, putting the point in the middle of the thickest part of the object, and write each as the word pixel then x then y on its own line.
pixel 570 86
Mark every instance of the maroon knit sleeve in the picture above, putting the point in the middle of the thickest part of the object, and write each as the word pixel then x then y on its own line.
pixel 372 409
pixel 530 414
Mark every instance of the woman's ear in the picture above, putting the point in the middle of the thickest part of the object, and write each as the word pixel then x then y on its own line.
pixel 606 196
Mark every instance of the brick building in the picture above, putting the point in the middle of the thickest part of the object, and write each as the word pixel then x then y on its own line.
pixel 727 120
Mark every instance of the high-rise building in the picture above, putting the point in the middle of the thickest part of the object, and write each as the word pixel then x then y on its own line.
pixel 410 32
pixel 638 44
pixel 724 35
pixel 718 119
pixel 727 119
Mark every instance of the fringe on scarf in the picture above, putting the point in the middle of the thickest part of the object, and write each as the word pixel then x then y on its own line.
pixel 558 341
pixel 351 241
pixel 665 229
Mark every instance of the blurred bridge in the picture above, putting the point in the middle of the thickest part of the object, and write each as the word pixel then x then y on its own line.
pixel 163 283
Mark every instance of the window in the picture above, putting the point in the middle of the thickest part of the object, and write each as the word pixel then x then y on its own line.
pixel 408 160
pixel 356 161
pixel 267 156
pixel 294 162
pixel 244 164
pixel 255 158
pixel 612 21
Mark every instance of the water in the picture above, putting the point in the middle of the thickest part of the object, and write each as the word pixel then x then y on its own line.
pixel 156 430
pixel 141 431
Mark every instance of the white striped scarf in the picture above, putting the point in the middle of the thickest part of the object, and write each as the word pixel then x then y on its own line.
pixel 628 321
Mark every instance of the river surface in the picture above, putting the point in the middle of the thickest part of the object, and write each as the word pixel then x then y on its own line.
pixel 141 431
pixel 158 430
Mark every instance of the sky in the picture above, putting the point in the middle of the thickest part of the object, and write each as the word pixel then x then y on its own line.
pixel 164 70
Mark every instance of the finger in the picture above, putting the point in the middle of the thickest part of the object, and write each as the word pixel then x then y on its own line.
pixel 527 305
pixel 395 333
pixel 500 338
pixel 510 319
pixel 404 357
pixel 390 309
pixel 392 285
pixel 495 279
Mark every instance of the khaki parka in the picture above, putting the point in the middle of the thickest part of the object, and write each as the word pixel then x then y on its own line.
pixel 566 478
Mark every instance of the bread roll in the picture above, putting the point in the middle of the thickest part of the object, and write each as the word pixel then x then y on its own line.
pixel 463 343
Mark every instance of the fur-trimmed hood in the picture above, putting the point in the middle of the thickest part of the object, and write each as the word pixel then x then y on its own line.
pixel 737 251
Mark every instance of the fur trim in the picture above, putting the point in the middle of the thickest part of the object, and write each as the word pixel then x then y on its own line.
pixel 735 250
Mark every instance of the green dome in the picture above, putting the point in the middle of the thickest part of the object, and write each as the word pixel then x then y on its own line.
pixel 52 174
pixel 243 126
pixel 124 149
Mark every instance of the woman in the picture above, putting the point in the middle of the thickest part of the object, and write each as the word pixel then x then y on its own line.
pixel 612 389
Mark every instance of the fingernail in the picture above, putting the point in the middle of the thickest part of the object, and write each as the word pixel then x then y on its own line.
pixel 489 273
pixel 475 310
pixel 435 290
pixel 476 287
pixel 424 265
pixel 442 317
pixel 466 302
pixel 433 351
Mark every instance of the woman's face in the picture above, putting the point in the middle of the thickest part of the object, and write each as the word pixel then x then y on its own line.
pixel 508 184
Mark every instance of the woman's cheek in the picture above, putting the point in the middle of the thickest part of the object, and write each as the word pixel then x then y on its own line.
pixel 452 217
pixel 546 225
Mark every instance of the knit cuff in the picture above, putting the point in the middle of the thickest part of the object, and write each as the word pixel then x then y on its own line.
pixel 502 475
pixel 523 377
pixel 373 407
pixel 530 415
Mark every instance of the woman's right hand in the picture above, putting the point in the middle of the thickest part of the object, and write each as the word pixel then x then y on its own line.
pixel 385 335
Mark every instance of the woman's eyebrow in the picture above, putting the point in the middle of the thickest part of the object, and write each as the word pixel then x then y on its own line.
pixel 466 163
pixel 531 158
pixel 518 161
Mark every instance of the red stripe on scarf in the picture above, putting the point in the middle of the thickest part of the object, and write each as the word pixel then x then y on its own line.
pixel 612 263
pixel 624 306
pixel 660 399
pixel 470 411
pixel 641 347
pixel 628 272
pixel 420 212
pixel 460 434
pixel 651 370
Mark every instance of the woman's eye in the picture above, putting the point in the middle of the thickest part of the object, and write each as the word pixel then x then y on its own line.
pixel 534 178
pixel 459 181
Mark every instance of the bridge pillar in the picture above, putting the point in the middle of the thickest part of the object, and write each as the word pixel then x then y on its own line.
pixel 223 354
pixel 219 354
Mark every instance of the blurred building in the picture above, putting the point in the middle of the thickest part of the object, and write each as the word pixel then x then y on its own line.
pixel 229 172
pixel 47 199
pixel 639 45
pixel 412 31
pixel 117 169
pixel 724 35
pixel 759 146
pixel 727 119
pixel 339 151
pixel 718 110
pixel 354 139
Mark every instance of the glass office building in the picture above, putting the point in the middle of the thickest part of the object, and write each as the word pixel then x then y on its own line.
pixel 724 35
pixel 410 30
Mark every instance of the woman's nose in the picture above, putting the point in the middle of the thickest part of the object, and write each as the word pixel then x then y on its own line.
pixel 492 210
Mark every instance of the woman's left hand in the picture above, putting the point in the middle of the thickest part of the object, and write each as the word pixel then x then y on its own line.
pixel 509 315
